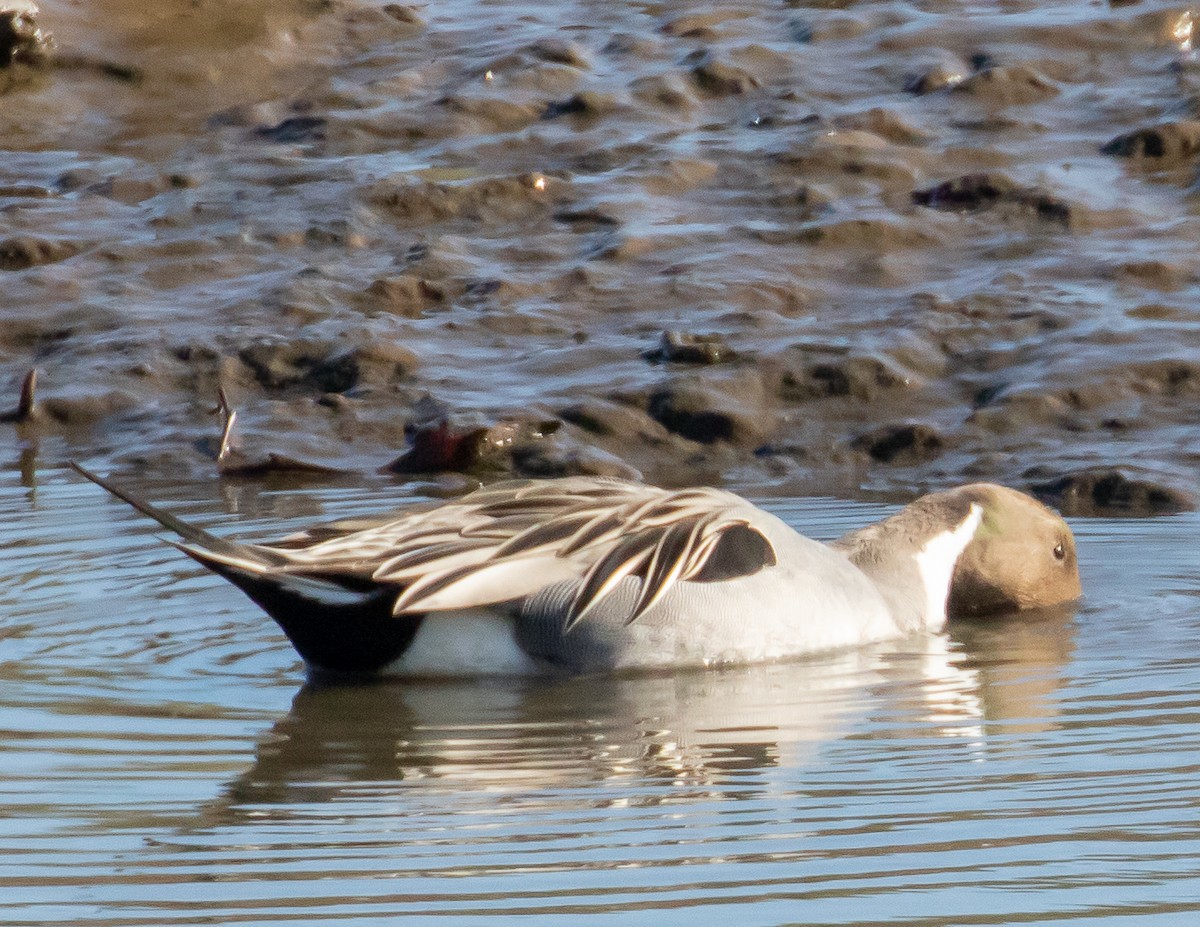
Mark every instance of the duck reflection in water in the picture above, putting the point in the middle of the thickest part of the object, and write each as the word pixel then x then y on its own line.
pixel 725 734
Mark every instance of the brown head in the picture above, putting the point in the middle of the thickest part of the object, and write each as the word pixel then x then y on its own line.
pixel 1022 556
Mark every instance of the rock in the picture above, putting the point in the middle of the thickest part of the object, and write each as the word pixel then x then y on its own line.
pixel 805 374
pixel 1159 275
pixel 718 78
pixel 1108 492
pixel 130 190
pixel 938 77
pixel 504 115
pixel 587 220
pixel 1008 85
pixel 24 251
pixel 439 446
pixel 978 192
pixel 685 348
pixel 294 130
pixel 666 90
pixel 82 409
pixel 886 125
pixel 614 419
pixel 419 201
pixel 22 42
pixel 546 460
pixel 1169 143
pixel 392 22
pixel 730 410
pixel 403 14
pixel 403 295
pixel 698 25
pixel 560 51
pixel 587 104
pixel 901 444
pixel 317 366
pixel 380 362
pixel 1023 412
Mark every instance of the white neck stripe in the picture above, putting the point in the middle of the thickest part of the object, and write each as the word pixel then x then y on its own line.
pixel 936 562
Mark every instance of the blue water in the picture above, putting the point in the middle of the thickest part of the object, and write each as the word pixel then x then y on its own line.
pixel 162 760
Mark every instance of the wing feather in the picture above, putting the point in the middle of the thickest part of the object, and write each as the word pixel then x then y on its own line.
pixel 508 541
pixel 484 584
pixel 627 557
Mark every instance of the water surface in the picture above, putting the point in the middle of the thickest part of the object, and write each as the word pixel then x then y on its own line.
pixel 162 760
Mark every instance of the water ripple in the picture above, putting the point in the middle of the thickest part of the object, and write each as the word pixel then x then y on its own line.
pixel 162 762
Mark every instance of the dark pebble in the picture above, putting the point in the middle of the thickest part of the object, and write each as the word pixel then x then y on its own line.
pixel 1107 492
pixel 722 79
pixel 587 104
pixel 977 192
pixel 686 348
pixel 23 251
pixel 1167 144
pixel 402 295
pixel 708 411
pixel 901 444
pixel 1008 85
pixel 21 41
pixel 294 130
pixel 804 376
pixel 303 365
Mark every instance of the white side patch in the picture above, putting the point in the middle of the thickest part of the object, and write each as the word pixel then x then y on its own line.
pixel 936 562
pixel 472 642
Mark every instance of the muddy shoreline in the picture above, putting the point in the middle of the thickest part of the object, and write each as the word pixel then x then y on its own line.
pixel 837 248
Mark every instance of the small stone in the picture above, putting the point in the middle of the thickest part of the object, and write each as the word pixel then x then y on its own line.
pixel 1008 85
pixel 23 251
pixel 294 130
pixel 685 348
pixel 1109 493
pixel 901 444
pixel 1169 143
pixel 939 77
pixel 587 104
pixel 807 375
pixel 559 51
pixel 708 411
pixel 978 192
pixel 22 42
pixel 721 79
pixel 403 295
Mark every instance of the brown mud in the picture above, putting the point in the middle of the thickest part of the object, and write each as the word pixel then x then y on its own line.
pixel 852 247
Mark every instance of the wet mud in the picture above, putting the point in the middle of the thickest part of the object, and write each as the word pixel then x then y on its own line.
pixel 848 248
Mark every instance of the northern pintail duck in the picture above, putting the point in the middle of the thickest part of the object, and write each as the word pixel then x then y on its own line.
pixel 595 574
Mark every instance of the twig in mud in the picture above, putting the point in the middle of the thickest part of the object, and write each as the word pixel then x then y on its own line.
pixel 27 403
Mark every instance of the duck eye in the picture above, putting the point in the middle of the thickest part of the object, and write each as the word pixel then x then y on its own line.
pixel 1059 552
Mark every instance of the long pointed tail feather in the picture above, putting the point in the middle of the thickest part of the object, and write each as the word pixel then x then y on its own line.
pixel 205 546
pixel 335 627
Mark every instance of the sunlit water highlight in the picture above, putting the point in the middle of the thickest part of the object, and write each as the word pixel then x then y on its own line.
pixel 163 762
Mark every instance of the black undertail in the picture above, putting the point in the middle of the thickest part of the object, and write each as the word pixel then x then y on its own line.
pixel 335 630
pixel 336 626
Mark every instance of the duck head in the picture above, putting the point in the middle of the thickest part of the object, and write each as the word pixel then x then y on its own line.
pixel 972 551
pixel 1022 556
